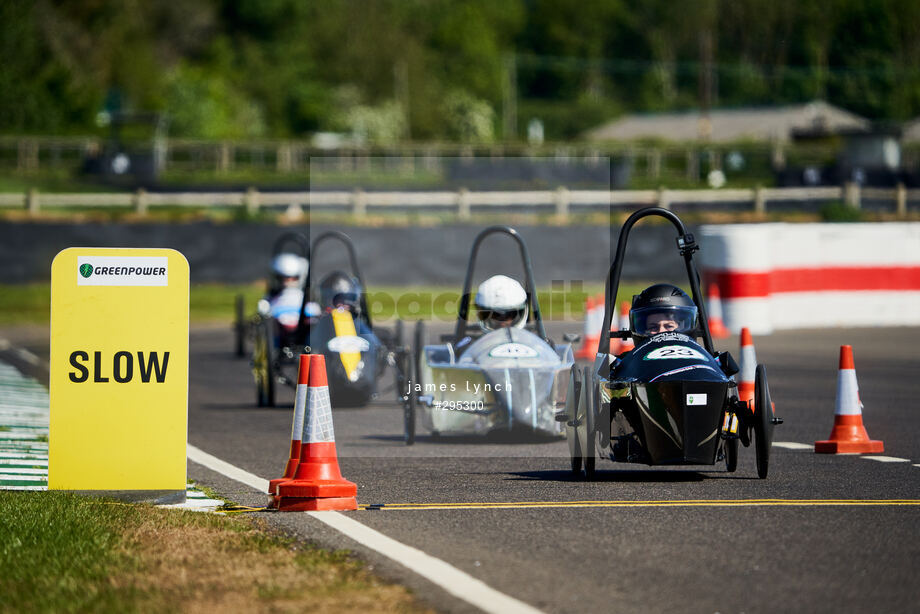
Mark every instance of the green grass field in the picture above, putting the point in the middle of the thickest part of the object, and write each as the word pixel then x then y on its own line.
pixel 214 303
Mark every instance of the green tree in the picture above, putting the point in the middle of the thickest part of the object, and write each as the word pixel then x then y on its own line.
pixel 279 67
pixel 203 104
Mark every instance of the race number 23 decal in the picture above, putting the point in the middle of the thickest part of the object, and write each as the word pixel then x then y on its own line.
pixel 674 351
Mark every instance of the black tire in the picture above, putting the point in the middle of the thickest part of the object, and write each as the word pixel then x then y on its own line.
pixel 263 364
pixel 731 455
pixel 589 467
pixel 239 327
pixel 575 455
pixel 763 421
pixel 421 339
pixel 590 452
pixel 409 404
pixel 576 460
pixel 399 351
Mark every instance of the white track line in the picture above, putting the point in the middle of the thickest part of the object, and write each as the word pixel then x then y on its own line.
pixel 456 582
pixel 231 471
pixel 792 445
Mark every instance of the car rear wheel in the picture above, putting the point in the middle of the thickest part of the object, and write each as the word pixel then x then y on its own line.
pixel 399 351
pixel 589 453
pixel 763 421
pixel 421 339
pixel 239 327
pixel 409 404
pixel 571 433
pixel 263 364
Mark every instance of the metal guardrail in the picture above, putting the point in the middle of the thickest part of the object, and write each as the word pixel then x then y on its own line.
pixel 561 200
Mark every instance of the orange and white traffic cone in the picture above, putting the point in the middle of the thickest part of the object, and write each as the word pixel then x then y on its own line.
pixel 626 345
pixel 717 328
pixel 318 483
pixel 300 406
pixel 748 367
pixel 593 325
pixel 848 435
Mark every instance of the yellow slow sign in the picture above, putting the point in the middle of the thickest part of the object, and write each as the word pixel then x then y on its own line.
pixel 119 370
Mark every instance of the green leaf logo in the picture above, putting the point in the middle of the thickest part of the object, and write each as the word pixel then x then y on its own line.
pixel 86 270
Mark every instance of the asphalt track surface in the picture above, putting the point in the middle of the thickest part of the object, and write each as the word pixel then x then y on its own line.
pixel 824 535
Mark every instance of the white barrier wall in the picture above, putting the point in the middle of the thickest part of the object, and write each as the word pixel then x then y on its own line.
pixel 779 276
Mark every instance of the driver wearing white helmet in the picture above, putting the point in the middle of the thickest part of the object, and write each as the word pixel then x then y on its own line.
pixel 501 302
pixel 285 291
pixel 288 271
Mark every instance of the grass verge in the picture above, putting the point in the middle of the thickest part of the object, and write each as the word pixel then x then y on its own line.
pixel 64 553
pixel 213 303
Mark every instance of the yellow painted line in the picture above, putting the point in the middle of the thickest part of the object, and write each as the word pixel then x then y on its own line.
pixel 660 503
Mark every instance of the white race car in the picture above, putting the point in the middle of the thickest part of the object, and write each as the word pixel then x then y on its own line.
pixel 478 381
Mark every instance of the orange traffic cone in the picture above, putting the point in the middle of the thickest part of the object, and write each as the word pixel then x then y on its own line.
pixel 300 406
pixel 318 483
pixel 626 345
pixel 717 327
pixel 593 324
pixel 748 367
pixel 848 435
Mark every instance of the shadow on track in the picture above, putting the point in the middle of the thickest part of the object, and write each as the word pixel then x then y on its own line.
pixel 624 476
pixel 565 475
pixel 496 437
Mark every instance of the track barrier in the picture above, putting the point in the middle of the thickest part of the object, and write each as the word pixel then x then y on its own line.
pixel 317 483
pixel 848 436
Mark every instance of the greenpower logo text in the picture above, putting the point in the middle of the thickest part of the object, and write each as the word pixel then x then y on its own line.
pixel 122 271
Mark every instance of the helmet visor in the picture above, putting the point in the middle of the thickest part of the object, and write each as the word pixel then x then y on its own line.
pixel 499 318
pixel 345 299
pixel 647 321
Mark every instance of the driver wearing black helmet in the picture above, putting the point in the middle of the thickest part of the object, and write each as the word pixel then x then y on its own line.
pixel 662 308
pixel 340 291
